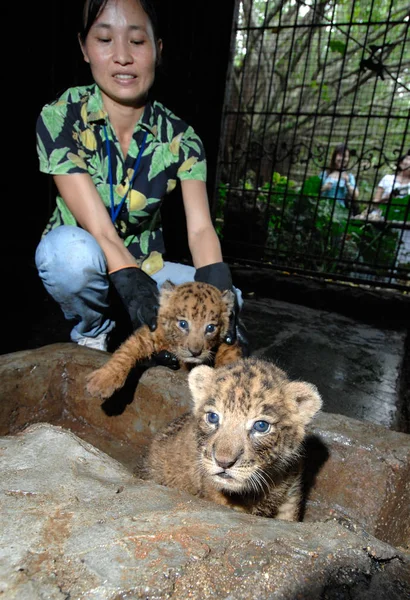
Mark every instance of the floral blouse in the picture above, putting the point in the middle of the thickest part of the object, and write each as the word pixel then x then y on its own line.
pixel 74 135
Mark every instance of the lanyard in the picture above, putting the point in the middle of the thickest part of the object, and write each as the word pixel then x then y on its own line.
pixel 116 211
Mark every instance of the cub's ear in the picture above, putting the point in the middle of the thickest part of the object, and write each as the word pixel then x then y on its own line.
pixel 200 381
pixel 228 298
pixel 166 289
pixel 307 398
pixel 168 285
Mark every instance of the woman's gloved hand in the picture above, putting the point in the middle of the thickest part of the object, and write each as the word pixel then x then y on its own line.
pixel 219 275
pixel 139 294
pixel 237 330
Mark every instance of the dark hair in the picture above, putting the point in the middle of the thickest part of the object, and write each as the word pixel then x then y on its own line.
pixel 400 160
pixel 93 8
pixel 340 149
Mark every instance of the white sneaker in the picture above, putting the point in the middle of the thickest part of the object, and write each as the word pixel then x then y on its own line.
pixel 97 343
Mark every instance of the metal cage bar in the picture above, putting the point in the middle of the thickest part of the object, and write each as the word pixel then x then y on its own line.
pixel 304 77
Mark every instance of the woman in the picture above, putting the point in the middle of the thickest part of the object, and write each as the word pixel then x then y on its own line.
pixel 114 155
pixel 390 187
pixel 337 182
pixel 395 185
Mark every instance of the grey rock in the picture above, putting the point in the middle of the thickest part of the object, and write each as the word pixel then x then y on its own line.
pixel 78 522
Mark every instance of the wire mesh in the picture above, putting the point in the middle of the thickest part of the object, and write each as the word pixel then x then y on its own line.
pixel 308 78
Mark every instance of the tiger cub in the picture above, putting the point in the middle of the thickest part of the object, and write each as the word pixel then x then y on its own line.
pixel 241 445
pixel 192 321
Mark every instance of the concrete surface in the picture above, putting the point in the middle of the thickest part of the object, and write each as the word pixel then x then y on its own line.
pixel 355 366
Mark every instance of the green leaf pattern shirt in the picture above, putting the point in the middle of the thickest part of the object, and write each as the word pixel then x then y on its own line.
pixel 71 139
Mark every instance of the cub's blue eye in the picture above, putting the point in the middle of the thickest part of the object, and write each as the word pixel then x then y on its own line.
pixel 183 324
pixel 261 426
pixel 210 328
pixel 212 418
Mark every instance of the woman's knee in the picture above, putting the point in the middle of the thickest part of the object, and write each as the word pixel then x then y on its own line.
pixel 68 255
pixel 175 272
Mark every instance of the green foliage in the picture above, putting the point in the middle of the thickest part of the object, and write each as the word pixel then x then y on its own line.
pixel 306 76
pixel 220 208
pixel 316 83
pixel 337 46
pixel 308 231
pixel 397 209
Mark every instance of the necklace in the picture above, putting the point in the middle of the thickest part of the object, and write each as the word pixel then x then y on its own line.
pixel 115 211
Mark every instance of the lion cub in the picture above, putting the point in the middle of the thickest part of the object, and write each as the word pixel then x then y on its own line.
pixel 192 321
pixel 241 444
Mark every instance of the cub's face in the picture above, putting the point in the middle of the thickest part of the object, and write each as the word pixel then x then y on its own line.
pixel 194 317
pixel 250 422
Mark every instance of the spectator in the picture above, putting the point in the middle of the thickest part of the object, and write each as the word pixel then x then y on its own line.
pixel 337 182
pixel 390 187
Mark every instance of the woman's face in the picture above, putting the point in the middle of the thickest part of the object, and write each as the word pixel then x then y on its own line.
pixel 405 165
pixel 122 52
pixel 342 160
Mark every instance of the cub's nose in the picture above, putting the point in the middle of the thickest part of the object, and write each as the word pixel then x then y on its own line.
pixel 225 463
pixel 195 352
pixel 225 458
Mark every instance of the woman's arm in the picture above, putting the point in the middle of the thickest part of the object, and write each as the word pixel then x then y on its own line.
pixel 137 290
pixel 377 198
pixel 352 188
pixel 325 186
pixel 79 193
pixel 202 238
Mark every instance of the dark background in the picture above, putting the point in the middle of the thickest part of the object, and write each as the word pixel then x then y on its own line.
pixel 42 59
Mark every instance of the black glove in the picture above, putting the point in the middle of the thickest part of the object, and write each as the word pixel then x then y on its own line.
pixel 237 330
pixel 167 359
pixel 219 275
pixel 139 294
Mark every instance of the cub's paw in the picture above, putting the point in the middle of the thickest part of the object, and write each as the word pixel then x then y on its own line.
pixel 101 383
pixel 227 354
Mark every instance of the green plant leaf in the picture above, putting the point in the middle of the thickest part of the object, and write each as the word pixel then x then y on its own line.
pixel 337 46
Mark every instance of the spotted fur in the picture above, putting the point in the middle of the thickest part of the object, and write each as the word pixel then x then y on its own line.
pixel 241 444
pixel 193 319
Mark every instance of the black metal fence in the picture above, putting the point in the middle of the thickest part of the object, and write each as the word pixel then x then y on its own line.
pixel 306 76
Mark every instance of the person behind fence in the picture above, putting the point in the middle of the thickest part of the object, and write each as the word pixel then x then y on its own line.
pixel 114 155
pixel 391 186
pixel 337 182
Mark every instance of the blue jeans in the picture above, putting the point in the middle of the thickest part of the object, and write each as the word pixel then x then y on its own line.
pixel 73 269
